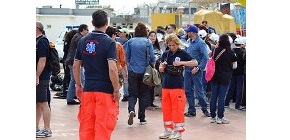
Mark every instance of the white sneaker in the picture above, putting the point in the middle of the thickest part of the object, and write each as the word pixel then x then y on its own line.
pixel 165 135
pixel 213 120
pixel 175 136
pixel 222 121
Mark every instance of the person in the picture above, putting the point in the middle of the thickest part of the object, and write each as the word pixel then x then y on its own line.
pixel 66 80
pixel 71 93
pixel 221 79
pixel 208 28
pixel 171 29
pixel 122 38
pixel 137 61
pixel 121 63
pixel 173 95
pixel 193 75
pixel 238 76
pixel 42 81
pixel 152 35
pixel 123 34
pixel 100 95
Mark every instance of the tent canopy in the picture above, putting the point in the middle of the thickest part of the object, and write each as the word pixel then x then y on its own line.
pixel 229 25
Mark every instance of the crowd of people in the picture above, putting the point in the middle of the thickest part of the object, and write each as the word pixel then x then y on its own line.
pixel 99 63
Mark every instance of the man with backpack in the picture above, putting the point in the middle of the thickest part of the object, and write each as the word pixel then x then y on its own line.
pixel 42 82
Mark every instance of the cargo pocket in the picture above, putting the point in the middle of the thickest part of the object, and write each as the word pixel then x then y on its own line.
pixel 181 101
pixel 111 120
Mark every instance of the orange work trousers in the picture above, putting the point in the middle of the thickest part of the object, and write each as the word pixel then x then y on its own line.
pixel 97 116
pixel 173 104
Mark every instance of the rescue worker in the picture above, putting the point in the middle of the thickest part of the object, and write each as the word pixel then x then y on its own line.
pixel 100 95
pixel 173 94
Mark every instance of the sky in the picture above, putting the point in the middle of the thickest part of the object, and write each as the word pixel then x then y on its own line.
pixel 120 6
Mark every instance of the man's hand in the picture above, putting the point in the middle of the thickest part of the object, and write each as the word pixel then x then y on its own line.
pixel 79 91
pixel 194 70
pixel 116 96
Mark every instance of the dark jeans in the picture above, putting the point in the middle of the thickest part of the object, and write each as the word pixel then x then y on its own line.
pixel 236 82
pixel 66 78
pixel 244 92
pixel 137 89
pixel 151 96
pixel 218 95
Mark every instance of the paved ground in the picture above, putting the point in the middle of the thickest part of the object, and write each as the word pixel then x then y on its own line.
pixel 64 124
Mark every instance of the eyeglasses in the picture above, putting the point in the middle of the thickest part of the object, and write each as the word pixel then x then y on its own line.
pixel 87 29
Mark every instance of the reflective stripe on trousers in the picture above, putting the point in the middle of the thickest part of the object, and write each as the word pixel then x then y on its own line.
pixel 97 116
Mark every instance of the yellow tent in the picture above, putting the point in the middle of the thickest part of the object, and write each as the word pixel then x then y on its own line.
pixel 199 15
pixel 214 19
pixel 229 25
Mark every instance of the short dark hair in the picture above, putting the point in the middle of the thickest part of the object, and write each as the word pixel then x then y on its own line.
pixel 204 22
pixel 173 26
pixel 82 27
pixel 111 31
pixel 141 30
pixel 100 18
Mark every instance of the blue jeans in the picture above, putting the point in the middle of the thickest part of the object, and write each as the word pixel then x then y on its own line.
pixel 236 82
pixel 193 85
pixel 71 93
pixel 218 95
pixel 83 76
pixel 137 89
pixel 125 88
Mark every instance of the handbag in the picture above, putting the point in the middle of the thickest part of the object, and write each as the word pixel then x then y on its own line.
pixel 210 66
pixel 151 76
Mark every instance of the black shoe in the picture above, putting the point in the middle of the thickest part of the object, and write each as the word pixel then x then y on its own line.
pixel 125 99
pixel 73 103
pixel 187 114
pixel 131 116
pixel 143 122
pixel 206 113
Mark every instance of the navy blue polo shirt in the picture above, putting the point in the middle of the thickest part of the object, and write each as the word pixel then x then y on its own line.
pixel 94 50
pixel 42 50
pixel 174 81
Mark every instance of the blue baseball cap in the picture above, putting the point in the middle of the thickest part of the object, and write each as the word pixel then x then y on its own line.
pixel 191 28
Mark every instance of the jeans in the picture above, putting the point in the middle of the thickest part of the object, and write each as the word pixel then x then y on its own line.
pixel 83 76
pixel 236 81
pixel 244 92
pixel 137 89
pixel 218 95
pixel 71 93
pixel 125 86
pixel 193 85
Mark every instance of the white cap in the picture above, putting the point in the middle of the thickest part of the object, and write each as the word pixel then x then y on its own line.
pixel 159 37
pixel 239 41
pixel 244 39
pixel 202 33
pixel 230 39
pixel 214 37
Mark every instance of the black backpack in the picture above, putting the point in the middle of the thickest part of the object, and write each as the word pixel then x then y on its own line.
pixel 53 59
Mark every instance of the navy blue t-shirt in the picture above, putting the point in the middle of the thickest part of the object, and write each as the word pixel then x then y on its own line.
pixel 174 81
pixel 94 50
pixel 42 50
